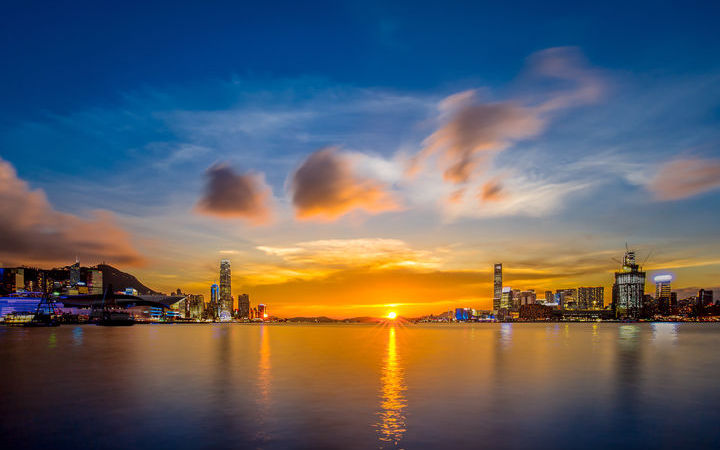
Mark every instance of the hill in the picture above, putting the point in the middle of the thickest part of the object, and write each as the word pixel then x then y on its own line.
pixel 121 280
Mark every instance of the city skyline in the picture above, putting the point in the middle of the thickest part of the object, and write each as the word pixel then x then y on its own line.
pixel 364 165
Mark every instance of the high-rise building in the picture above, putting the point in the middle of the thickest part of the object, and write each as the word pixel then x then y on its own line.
pixel 591 297
pixel 662 293
pixel 497 287
pixel 75 273
pixel 566 298
pixel 705 297
pixel 243 306
pixel 95 281
pixel 214 301
pixel 226 301
pixel 629 288
pixel 506 298
pixel 549 297
pixel 262 311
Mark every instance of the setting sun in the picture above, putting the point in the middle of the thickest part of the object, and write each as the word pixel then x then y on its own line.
pixel 392 315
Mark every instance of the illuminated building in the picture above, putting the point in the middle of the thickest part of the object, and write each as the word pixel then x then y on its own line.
pixel 663 293
pixel 705 297
pixel 262 311
pixel 591 297
pixel 226 300
pixel 75 273
pixel 95 281
pixel 214 301
pixel 566 298
pixel 506 298
pixel 629 288
pixel 526 298
pixel 549 297
pixel 243 306
pixel 497 287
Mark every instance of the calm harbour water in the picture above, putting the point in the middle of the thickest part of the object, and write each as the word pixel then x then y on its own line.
pixel 362 386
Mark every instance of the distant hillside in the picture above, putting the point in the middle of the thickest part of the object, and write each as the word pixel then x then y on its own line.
pixel 121 280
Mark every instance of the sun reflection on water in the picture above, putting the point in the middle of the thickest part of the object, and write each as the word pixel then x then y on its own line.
pixel 391 425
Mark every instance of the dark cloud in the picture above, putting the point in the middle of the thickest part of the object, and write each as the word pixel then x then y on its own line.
pixel 684 178
pixel 32 232
pixel 326 186
pixel 229 194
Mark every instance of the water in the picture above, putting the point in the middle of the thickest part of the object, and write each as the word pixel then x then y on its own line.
pixel 361 386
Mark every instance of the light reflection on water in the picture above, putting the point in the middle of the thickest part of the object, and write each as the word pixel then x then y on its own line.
pixel 560 386
pixel 391 426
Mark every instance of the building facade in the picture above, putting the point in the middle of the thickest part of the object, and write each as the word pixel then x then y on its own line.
pixel 497 287
pixel 226 300
pixel 628 289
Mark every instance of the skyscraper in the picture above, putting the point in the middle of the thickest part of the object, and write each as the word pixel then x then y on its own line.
pixel 662 293
pixel 214 301
pixel 590 297
pixel 629 288
pixel 226 301
pixel 497 287
pixel 243 306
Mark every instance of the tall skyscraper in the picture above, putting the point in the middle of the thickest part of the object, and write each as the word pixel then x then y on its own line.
pixel 629 288
pixel 662 293
pixel 243 306
pixel 214 301
pixel 497 287
pixel 226 300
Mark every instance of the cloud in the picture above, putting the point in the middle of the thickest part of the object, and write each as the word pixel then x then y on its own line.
pixel 472 131
pixel 229 194
pixel 492 191
pixel 684 178
pixel 328 185
pixel 364 252
pixel 31 231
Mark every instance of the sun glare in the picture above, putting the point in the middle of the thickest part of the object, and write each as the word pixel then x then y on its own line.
pixel 392 315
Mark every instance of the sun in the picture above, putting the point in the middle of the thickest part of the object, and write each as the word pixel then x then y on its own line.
pixel 392 315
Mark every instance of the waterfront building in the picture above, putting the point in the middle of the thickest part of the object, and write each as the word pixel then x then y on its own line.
pixel 526 298
pixel 566 298
pixel 505 298
pixel 243 306
pixel 663 293
pixel 705 297
pixel 214 301
pixel 262 311
pixel 549 297
pixel 226 300
pixel 590 297
pixel 629 288
pixel 497 287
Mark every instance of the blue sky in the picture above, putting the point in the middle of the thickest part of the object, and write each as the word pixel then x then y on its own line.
pixel 601 126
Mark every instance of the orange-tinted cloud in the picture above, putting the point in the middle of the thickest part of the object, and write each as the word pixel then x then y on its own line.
pixel 327 186
pixel 492 191
pixel 684 178
pixel 474 132
pixel 31 231
pixel 232 195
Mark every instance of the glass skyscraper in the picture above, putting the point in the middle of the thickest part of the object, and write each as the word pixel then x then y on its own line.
pixel 226 301
pixel 497 287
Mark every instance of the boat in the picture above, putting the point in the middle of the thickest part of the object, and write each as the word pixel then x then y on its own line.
pixel 46 314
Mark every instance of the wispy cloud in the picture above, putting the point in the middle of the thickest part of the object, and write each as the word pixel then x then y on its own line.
pixel 682 178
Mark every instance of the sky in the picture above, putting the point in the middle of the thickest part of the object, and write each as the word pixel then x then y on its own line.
pixel 352 158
